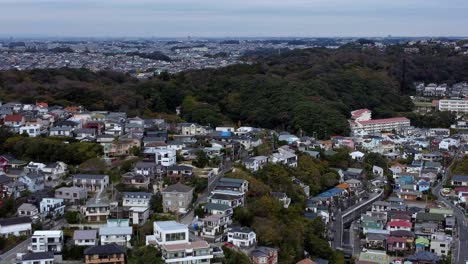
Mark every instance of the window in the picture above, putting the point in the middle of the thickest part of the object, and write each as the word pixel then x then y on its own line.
pixel 175 236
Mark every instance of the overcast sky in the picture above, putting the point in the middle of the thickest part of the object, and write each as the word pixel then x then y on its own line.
pixel 233 18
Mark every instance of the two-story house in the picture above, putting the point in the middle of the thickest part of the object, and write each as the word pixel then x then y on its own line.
pixel 71 195
pixel 173 240
pixel 104 254
pixel 46 241
pixel 242 237
pixel 91 182
pixel 52 207
pixel 85 237
pixel 177 198
pixel 117 231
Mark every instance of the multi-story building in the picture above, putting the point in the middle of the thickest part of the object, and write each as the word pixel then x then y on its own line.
pixel 164 157
pixel 106 254
pixel 454 105
pixel 91 182
pixel 379 125
pixel 71 195
pixel 440 243
pixel 96 210
pixel 177 198
pixel 53 207
pixel 136 199
pixel 46 241
pixel 173 240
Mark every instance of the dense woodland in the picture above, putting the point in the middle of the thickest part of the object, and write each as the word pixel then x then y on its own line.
pixel 309 90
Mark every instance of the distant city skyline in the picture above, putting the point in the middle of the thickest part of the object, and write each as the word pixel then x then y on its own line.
pixel 238 18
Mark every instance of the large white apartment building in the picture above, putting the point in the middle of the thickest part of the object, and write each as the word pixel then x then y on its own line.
pixel 46 241
pixel 379 125
pixel 454 105
pixel 173 240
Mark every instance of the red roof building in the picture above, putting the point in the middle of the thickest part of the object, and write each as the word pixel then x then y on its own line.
pixel 13 118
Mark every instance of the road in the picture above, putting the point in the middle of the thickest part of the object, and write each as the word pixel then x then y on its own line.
pixel 10 256
pixel 203 197
pixel 459 252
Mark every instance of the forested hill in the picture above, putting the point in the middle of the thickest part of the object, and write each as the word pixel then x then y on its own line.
pixel 310 90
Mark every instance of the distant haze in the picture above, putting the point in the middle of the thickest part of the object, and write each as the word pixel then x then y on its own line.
pixel 233 18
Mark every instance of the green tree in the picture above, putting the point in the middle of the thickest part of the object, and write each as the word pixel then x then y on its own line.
pixel 72 217
pixel 201 160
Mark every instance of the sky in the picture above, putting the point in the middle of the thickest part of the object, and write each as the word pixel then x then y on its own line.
pixel 233 18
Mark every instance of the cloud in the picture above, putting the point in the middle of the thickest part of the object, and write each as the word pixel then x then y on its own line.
pixel 233 18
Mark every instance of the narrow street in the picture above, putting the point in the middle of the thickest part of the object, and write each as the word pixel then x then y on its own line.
pixel 459 252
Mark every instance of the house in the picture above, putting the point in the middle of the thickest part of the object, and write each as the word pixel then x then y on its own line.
pixel 52 207
pixel 29 210
pixel 91 182
pixel 14 189
pixel 55 170
pixel 396 244
pixel 81 133
pixel 179 172
pixel 117 231
pixel 172 239
pixel 33 130
pixel 232 200
pixel 110 253
pixel 136 199
pixel 85 237
pixel 177 198
pixel 193 129
pixel 460 180
pixel 138 205
pixel 145 168
pixel 354 184
pixel 380 206
pixel 65 131
pixel 440 243
pixel 33 180
pixel 354 173
pixel 357 155
pixel 242 237
pixel 424 257
pixel 71 195
pixel 230 185
pixel 14 121
pixel 46 241
pixel 221 209
pixel 15 226
pixel 37 258
pixel 264 255
pixel 376 241
pixel 96 210
pixel 214 226
pixel 448 143
pixel 255 163
pixel 284 157
pixel 376 170
pixel 136 180
pixel 164 157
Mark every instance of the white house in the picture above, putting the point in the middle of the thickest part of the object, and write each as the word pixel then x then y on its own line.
pixel 447 143
pixel 165 157
pixel 173 240
pixel 33 180
pixel 15 226
pixel 255 163
pixel 284 157
pixel 29 210
pixel 31 130
pixel 242 237
pixel 85 237
pixel 376 170
pixel 357 155
pixel 46 241
pixel 54 207
pixel 117 231
pixel 138 204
